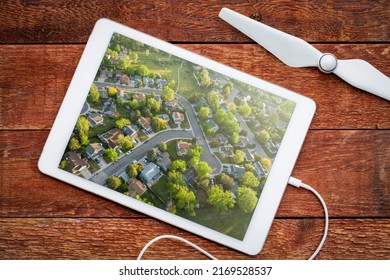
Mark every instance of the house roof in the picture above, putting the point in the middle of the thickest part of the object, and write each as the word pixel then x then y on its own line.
pixel 94 148
pixel 129 130
pixel 75 163
pixel 149 171
pixel 145 122
pixel 183 147
pixel 111 136
pixel 177 116
pixel 136 187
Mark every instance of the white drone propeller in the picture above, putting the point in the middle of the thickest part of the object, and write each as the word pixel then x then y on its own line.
pixel 295 52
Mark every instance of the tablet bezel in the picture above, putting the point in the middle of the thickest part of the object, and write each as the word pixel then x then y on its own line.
pixel 283 164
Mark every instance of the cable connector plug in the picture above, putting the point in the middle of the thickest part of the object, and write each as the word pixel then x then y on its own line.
pixel 298 184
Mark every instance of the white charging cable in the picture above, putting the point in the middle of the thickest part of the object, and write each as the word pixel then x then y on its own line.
pixel 176 238
pixel 298 183
pixel 293 182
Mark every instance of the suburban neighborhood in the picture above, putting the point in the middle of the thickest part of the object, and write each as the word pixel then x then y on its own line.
pixel 178 136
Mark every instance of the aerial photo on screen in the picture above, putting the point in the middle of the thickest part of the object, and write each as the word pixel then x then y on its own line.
pixel 177 136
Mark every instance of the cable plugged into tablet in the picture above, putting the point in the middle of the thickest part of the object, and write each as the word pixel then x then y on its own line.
pixel 298 184
pixel 293 182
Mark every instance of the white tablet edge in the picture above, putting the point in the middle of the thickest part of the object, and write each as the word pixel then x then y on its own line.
pixel 283 164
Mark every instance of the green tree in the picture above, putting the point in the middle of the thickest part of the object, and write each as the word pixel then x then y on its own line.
pixel 147 52
pixel 167 93
pixel 152 154
pixel 233 138
pixel 232 107
pixel 143 70
pixel 244 110
pixel 249 180
pixel 176 178
pixel 203 170
pixel 134 104
pixel 226 181
pixel 179 165
pixel 94 94
pixel 266 162
pixel 171 84
pixel 125 142
pixel 203 113
pixel 158 124
pixel 134 169
pixel 83 125
pixel 238 157
pixel 155 105
pixel 204 78
pixel 186 199
pixel 122 122
pixel 213 100
pixel 263 137
pixel 64 164
pixel 74 144
pixel 221 200
pixel 195 151
pixel 246 199
pixel 134 57
pixel 112 91
pixel 124 63
pixel 110 155
pixel 163 146
pixel 114 182
pixel 84 140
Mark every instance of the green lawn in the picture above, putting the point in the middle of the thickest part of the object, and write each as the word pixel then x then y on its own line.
pixel 108 123
pixel 233 223
pixel 161 189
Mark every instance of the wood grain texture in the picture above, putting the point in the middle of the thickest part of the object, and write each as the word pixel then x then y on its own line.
pixel 34 79
pixel 64 238
pixel 351 169
pixel 37 21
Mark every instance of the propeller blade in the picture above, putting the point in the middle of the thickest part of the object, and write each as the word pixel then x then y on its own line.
pixel 291 50
pixel 363 75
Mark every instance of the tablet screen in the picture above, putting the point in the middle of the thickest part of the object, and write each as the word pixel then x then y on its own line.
pixel 177 135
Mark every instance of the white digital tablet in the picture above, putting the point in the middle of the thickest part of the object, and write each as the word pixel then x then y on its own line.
pixel 177 136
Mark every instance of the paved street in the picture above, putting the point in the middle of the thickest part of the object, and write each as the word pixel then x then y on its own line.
pixel 139 152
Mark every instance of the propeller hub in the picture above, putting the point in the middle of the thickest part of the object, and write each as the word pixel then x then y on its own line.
pixel 327 63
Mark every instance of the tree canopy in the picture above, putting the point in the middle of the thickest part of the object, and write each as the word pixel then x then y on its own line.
pixel 246 199
pixel 221 200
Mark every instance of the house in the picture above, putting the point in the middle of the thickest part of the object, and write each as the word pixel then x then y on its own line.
pixel 109 108
pixel 129 130
pixel 201 102
pixel 95 119
pixel 260 170
pixel 139 97
pixel 248 155
pixel 145 123
pixel 94 150
pixel 75 163
pixel 242 142
pixel 178 118
pixel 161 82
pixel 222 139
pixel 224 107
pixel 235 170
pixel 212 124
pixel 164 161
pixel 103 92
pixel 182 148
pixel 190 176
pixel 149 172
pixel 271 148
pixel 124 79
pixel 110 137
pixel 165 117
pixel 228 150
pixel 135 187
pixel 121 95
pixel 148 81
pixel 173 103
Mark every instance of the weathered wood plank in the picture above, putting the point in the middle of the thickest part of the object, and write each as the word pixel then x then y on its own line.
pixel 351 169
pixel 316 21
pixel 34 79
pixel 64 238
